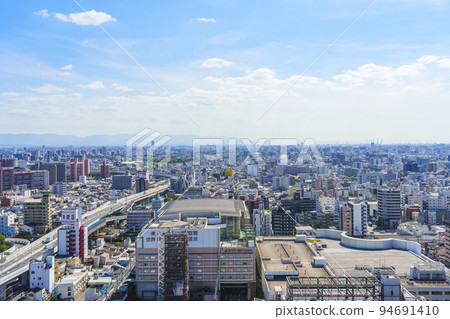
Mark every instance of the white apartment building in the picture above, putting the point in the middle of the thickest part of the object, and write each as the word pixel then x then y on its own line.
pixel 42 274
pixel 247 191
pixel 359 215
pixel 7 223
pixel 262 222
pixel 73 285
pixel 73 240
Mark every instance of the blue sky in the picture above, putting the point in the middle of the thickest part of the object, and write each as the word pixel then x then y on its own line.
pixel 224 62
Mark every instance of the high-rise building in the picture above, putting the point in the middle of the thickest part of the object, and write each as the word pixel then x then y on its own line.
pixel 141 182
pixel 79 167
pixel 157 203
pixel 299 204
pixel 38 213
pixel 359 218
pixel 262 222
pixel 8 162
pixel 32 179
pixel 122 181
pixel 8 226
pixel 6 179
pixel 346 219
pixel 105 170
pixel 138 217
pixel 72 236
pixel 446 256
pixel 180 260
pixel 283 222
pixel 60 172
pixel 389 208
pixel 76 169
pixel 50 167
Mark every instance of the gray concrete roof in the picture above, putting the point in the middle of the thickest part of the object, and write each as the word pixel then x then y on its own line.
pixel 227 207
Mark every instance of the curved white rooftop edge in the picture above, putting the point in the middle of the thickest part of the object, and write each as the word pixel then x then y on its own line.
pixel 369 244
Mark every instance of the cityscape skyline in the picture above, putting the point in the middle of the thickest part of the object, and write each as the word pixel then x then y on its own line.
pixel 226 150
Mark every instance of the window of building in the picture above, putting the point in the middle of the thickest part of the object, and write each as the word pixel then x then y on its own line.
pixel 436 293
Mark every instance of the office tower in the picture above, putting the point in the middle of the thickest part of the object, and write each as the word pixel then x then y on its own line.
pixel 6 179
pixel 122 181
pixel 60 172
pixel 38 213
pixel 283 222
pixel 389 206
pixel 104 170
pixel 299 204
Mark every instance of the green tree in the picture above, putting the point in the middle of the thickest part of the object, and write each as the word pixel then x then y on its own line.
pixel 3 245
pixel 380 222
pixel 118 244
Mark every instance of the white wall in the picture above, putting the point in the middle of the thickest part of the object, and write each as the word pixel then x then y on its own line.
pixel 369 244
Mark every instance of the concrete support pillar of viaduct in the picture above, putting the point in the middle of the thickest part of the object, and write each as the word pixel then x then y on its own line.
pixel 3 292
pixel 24 278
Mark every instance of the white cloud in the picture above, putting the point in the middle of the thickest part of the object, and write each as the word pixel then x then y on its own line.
pixel 216 63
pixel 205 20
pixel 444 63
pixel 67 67
pixel 93 85
pixel 441 62
pixel 122 88
pixel 9 94
pixel 429 59
pixel 379 73
pixel 42 13
pixel 48 88
pixel 86 18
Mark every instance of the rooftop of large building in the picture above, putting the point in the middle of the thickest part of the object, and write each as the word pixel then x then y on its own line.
pixel 227 207
pixel 191 223
pixel 344 259
pixel 272 252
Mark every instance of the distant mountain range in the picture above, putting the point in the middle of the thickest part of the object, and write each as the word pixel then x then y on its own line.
pixel 71 140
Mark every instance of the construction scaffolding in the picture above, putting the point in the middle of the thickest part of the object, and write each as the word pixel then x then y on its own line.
pixel 333 288
pixel 161 266
pixel 176 285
